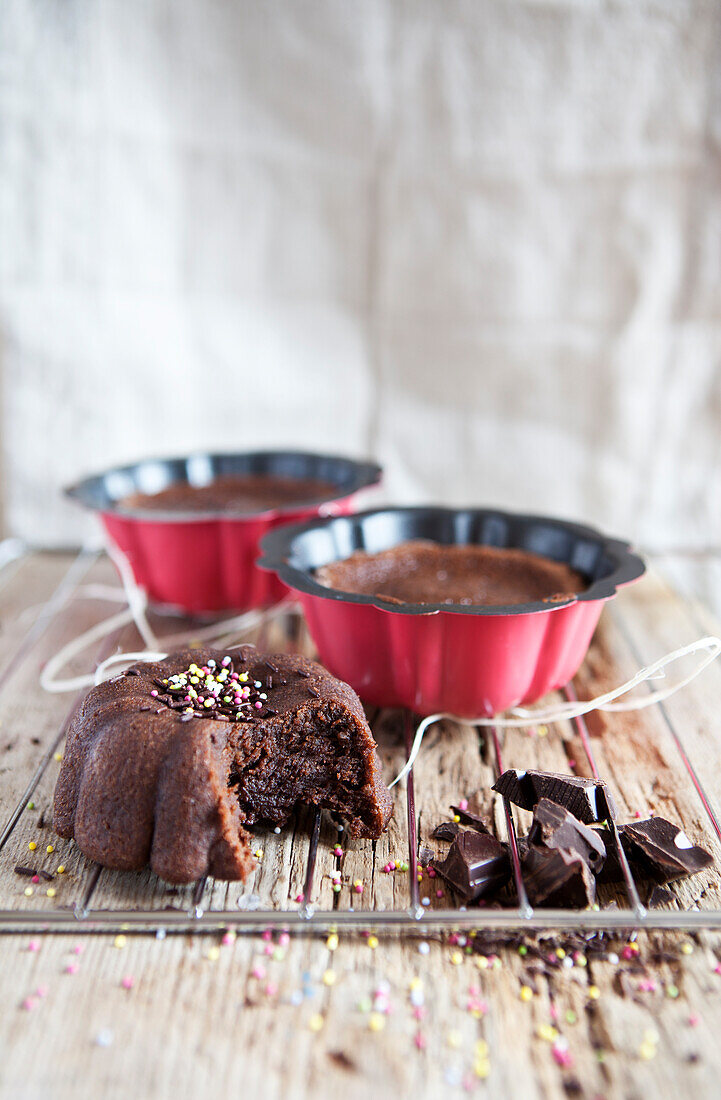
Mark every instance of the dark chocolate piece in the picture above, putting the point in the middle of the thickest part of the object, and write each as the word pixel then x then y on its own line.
pixel 476 864
pixel 557 878
pixel 662 850
pixel 447 830
pixel 475 821
pixel 588 799
pixel 555 827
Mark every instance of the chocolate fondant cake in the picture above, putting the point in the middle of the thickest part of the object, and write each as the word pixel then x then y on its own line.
pixel 166 763
pixel 234 493
pixel 428 572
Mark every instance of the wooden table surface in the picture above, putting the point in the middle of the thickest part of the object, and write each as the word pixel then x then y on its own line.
pixel 185 1015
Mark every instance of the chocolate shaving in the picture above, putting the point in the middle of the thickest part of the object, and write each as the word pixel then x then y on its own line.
pixel 312 691
pixel 28 872
pixel 447 830
pixel 658 896
pixel 482 824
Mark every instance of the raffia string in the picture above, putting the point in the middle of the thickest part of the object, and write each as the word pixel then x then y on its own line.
pixel 136 600
pixel 520 717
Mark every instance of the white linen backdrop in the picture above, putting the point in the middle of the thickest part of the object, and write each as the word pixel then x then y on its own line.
pixel 479 241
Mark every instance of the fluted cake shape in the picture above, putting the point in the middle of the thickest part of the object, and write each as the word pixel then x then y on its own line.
pixel 148 778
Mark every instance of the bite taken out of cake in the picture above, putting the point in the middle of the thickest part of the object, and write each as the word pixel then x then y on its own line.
pixel 168 763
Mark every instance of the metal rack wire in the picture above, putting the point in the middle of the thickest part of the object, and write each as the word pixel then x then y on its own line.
pixel 412 919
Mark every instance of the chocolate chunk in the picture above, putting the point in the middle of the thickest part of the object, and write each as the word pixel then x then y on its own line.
pixel 555 827
pixel 476 864
pixel 588 799
pixel 475 821
pixel 447 830
pixel 662 850
pixel 557 878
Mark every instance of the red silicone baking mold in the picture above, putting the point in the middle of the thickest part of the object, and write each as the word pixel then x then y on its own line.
pixel 470 661
pixel 204 562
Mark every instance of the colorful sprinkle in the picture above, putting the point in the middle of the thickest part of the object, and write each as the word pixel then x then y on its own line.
pixel 561 1054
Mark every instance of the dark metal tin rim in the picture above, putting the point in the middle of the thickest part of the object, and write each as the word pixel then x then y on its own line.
pixel 103 492
pixel 279 553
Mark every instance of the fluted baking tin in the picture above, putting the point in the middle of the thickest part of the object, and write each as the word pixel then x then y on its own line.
pixel 471 661
pixel 203 562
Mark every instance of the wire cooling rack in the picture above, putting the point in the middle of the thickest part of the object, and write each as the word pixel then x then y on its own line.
pixel 127 908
